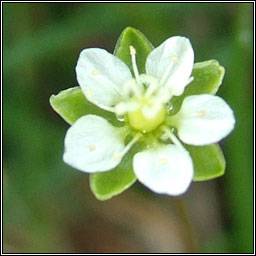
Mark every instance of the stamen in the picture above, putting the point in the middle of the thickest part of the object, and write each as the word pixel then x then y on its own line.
pixel 118 155
pixel 164 95
pixel 110 109
pixel 131 143
pixel 124 107
pixel 151 82
pixel 131 86
pixel 121 109
pixel 173 137
pixel 152 111
pixel 134 65
pixel 132 50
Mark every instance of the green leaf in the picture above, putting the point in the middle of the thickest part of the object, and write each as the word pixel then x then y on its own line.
pixel 209 161
pixel 208 76
pixel 131 36
pixel 71 104
pixel 105 185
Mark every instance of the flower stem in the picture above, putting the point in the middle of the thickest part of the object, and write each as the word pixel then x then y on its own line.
pixel 188 234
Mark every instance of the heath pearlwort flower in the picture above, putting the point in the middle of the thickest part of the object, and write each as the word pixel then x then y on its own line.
pixel 92 144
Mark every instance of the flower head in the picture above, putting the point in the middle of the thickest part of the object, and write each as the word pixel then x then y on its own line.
pixel 142 103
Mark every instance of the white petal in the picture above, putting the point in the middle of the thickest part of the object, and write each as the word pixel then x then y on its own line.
pixel 101 76
pixel 204 119
pixel 167 169
pixel 172 60
pixel 92 144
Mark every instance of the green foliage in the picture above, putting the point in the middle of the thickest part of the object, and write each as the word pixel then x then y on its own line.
pixel 240 149
pixel 142 45
pixel 208 161
pixel 105 185
pixel 71 104
pixel 111 183
pixel 208 76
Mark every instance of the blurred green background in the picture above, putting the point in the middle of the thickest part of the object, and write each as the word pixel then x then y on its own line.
pixel 48 206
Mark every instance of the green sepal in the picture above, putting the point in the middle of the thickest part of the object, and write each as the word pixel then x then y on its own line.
pixel 71 104
pixel 105 185
pixel 133 37
pixel 208 76
pixel 208 161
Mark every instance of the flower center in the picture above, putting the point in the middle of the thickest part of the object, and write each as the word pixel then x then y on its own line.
pixel 147 117
pixel 144 100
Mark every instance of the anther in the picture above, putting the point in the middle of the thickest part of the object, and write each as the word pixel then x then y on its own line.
pixel 134 65
pixel 132 50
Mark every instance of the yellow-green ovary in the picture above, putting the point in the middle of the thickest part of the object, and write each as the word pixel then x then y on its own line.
pixel 145 124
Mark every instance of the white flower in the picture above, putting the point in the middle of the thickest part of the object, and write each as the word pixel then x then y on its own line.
pixel 92 144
